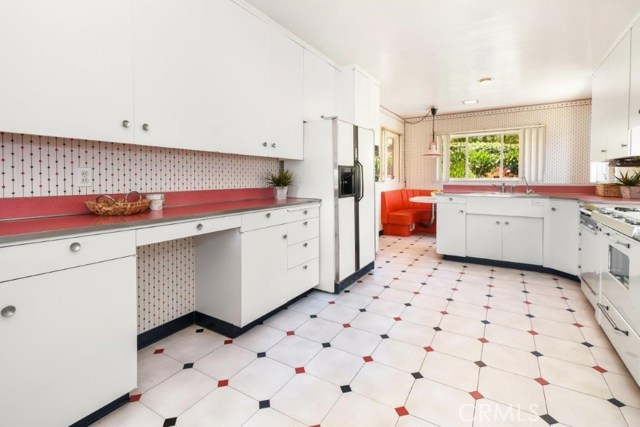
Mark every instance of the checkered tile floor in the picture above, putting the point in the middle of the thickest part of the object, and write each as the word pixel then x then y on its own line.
pixel 419 342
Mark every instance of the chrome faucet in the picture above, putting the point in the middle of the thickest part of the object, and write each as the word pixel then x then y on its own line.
pixel 502 187
pixel 529 190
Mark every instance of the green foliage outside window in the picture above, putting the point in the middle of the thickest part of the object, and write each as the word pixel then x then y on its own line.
pixel 484 157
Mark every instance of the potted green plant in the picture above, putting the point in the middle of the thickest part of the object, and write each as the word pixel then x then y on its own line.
pixel 629 185
pixel 280 182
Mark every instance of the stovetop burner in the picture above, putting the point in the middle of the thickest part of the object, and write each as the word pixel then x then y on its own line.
pixel 626 209
pixel 632 221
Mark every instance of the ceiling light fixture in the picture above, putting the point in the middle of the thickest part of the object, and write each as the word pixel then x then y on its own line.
pixel 433 145
pixel 470 101
pixel 485 80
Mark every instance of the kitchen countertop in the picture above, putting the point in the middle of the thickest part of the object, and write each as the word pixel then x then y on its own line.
pixel 590 198
pixel 12 231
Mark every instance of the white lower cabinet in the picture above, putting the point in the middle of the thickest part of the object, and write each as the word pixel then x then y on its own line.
pixel 70 346
pixel 451 228
pixel 505 238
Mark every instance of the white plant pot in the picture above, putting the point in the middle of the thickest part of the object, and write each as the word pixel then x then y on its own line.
pixel 280 193
pixel 630 192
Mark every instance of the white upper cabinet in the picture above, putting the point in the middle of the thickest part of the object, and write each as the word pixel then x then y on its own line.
pixel 66 68
pixel 359 98
pixel 634 97
pixel 320 80
pixel 610 113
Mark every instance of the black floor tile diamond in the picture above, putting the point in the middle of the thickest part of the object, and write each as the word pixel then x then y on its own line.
pixel 386 286
pixel 616 402
pixel 326 344
pixel 264 404
pixel 548 419
pixel 262 354
pixel 417 375
pixel 347 291
pixel 345 388
pixel 437 329
pixel 570 310
pixel 313 316
pixel 525 292
pixel 480 363
pixel 449 299
pixel 587 344
pixel 408 304
pixel 199 331
pixel 363 310
pixel 187 366
pixel 170 422
pixel 531 316
pixel 537 353
pixel 384 336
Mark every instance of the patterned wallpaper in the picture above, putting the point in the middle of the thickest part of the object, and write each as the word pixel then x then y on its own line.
pixel 44 166
pixel 568 126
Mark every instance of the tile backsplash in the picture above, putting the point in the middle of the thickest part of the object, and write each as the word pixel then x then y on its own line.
pixel 32 166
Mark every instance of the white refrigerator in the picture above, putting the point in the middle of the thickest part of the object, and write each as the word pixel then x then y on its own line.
pixel 338 168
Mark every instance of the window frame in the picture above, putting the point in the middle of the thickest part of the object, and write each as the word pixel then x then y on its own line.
pixel 397 154
pixel 467 135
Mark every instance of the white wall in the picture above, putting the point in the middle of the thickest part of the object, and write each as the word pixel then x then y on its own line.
pixel 568 132
pixel 394 123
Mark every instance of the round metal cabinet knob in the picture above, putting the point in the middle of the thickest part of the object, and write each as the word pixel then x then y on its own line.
pixel 305 223
pixel 304 267
pixel 451 199
pixel 284 236
pixel 199 227
pixel 268 215
pixel 145 127
pixel 125 123
pixel 305 212
pixel 553 209
pixel 75 247
pixel 305 245
pixel 264 144
pixel 460 211
pixel 506 223
pixel 8 311
pixel 497 222
pixel 273 145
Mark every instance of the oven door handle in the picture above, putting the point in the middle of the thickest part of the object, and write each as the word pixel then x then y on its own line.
pixel 626 245
pixel 604 309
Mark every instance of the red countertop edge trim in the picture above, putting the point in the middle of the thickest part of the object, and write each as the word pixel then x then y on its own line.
pixel 30 207
pixel 542 189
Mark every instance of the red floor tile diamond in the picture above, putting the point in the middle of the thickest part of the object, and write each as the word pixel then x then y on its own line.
pixel 564 298
pixel 542 381
pixel 397 319
pixel 300 370
pixel 491 286
pixel 158 351
pixel 134 397
pixel 532 332
pixel 488 307
pixel 346 325
pixel 359 281
pixel 476 395
pixel 402 411
pixel 375 297
pixel 483 340
pixel 526 302
pixel 578 325
pixel 332 302
pixel 290 333
pixel 227 342
pixel 223 383
pixel 368 359
pixel 599 369
pixel 444 313
pixel 429 348
pixel 454 289
pixel 417 293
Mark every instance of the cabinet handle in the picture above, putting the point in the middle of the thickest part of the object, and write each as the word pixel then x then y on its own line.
pixel 604 309
pixel 624 145
pixel 506 223
pixel 145 127
pixel 273 145
pixel 305 245
pixel 305 212
pixel 304 267
pixel 461 211
pixel 305 223
pixel 199 227
pixel 264 144
pixel 603 151
pixel 553 209
pixel 75 247
pixel 268 215
pixel 8 311
pixel 451 199
pixel 126 124
pixel 497 222
pixel 284 236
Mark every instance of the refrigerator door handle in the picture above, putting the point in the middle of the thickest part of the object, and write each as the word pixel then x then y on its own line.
pixel 359 181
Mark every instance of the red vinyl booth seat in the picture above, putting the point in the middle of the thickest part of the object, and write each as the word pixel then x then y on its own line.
pixel 400 217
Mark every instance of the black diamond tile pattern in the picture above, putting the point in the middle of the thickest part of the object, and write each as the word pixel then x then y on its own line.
pixel 384 336
pixel 363 310
pixel 313 316
pixel 548 419
pixel 417 375
pixel 537 353
pixel 480 363
pixel 437 329
pixel 262 354
pixel 187 366
pixel 616 402
pixel 345 388
pixel 170 422
pixel 587 344
pixel 326 344
pixel 264 404
pixel 530 316
pixel 486 322
pixel 199 331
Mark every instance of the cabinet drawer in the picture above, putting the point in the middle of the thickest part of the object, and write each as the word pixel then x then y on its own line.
pixel 456 200
pixel 302 278
pixel 302 252
pixel 263 219
pixel 624 340
pixel 303 230
pixel 163 233
pixel 37 258
pixel 303 213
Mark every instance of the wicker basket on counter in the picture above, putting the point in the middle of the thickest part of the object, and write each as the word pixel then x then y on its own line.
pixel 608 190
pixel 108 206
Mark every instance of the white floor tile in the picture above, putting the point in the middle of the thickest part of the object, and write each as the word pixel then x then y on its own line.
pixel 155 369
pixel 397 295
pixel 268 417
pixel 472 328
pixel 510 337
pixel 565 350
pixel 262 378
pixel 224 404
pixel 335 366
pixel 338 313
pixel 306 398
pixel 173 396
pixel 511 389
pixel 131 415
pixel 624 389
pixel 412 333
pixel 319 330
pixel 372 322
pixel 440 404
pixel 430 302
pixel 609 360
pixel 386 307
pixel 511 360
pixel 422 316
pixel 469 311
pixel 457 345
pixel 354 410
pixel 225 362
pixel 260 338
pixel 383 384
pixel 294 351
pixel 287 320
pixel 565 331
pixel 578 409
pixel 356 341
pixel 509 319
pixel 400 355
pixel 308 306
pixel 411 421
pixel 194 346
pixel 354 300
pixel 367 289
pixel 493 414
pixel 452 371
pixel 575 377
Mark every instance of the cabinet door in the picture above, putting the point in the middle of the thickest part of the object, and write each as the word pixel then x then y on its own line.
pixel 522 240
pixel 563 233
pixel 67 68
pixel 320 79
pixel 451 229
pixel 615 103
pixel 70 347
pixel 598 149
pixel 366 206
pixel 284 97
pixel 484 236
pixel 634 96
pixel 264 272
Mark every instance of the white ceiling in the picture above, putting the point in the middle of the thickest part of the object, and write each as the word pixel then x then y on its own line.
pixel 433 52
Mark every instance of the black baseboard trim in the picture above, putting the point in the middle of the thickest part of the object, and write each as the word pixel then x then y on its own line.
pixel 380 233
pixel 340 286
pixel 516 265
pixel 102 412
pixel 232 331
pixel 156 334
